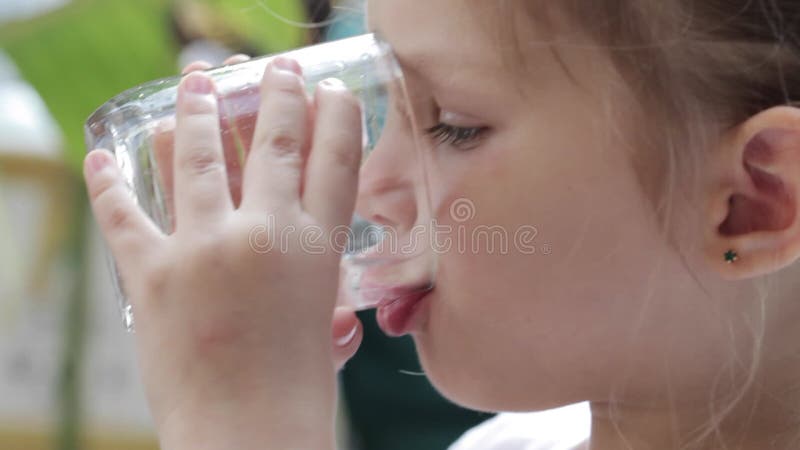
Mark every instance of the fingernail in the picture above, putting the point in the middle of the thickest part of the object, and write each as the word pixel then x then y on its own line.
pixel 98 160
pixel 348 338
pixel 287 65
pixel 333 83
pixel 198 83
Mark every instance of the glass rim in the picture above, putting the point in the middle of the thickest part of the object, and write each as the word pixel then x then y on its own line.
pixel 100 116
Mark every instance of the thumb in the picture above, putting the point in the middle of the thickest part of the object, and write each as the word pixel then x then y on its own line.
pixel 347 334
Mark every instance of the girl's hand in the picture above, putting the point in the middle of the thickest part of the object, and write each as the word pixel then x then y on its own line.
pixel 235 344
pixel 347 332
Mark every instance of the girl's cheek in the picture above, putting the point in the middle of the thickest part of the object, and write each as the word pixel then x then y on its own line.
pixel 466 175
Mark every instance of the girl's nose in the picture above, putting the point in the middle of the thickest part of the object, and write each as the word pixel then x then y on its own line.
pixel 386 194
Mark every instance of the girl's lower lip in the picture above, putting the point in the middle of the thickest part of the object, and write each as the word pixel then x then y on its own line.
pixel 398 317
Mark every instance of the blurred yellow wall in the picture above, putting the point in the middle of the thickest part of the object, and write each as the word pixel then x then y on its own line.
pixel 17 438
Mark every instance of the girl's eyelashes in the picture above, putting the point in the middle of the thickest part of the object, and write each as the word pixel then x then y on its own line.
pixel 463 138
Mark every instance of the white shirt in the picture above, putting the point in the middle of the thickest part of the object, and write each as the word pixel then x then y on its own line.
pixel 565 428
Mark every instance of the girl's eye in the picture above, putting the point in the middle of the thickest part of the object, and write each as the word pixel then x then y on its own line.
pixel 464 138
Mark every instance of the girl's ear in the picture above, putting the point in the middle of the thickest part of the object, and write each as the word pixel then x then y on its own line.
pixel 753 226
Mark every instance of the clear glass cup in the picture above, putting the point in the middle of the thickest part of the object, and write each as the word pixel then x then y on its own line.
pixel 380 263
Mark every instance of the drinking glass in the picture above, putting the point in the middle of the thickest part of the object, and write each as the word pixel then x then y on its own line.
pixel 380 263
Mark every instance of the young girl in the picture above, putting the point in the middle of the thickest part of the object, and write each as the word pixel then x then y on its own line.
pixel 652 144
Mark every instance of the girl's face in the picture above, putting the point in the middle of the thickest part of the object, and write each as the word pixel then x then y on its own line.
pixel 585 290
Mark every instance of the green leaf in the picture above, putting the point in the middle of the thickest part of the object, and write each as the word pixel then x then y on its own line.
pixel 82 55
pixel 267 25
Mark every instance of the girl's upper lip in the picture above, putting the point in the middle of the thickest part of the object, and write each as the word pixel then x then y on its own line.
pixel 385 295
pixel 371 285
pixel 403 318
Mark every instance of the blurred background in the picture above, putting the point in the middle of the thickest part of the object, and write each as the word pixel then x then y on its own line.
pixel 67 373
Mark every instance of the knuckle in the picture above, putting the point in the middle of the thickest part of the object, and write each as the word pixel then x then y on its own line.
pixel 114 214
pixel 283 143
pixel 202 161
pixel 345 156
pixel 118 218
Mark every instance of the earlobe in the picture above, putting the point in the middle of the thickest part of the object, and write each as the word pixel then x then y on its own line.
pixel 755 197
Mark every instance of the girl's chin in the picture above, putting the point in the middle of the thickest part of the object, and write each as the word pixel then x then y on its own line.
pixel 457 389
pixel 454 374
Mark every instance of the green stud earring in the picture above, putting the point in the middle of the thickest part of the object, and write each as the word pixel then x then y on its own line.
pixel 731 256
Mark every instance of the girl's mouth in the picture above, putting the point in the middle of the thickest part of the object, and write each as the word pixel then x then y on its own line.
pixel 398 312
pixel 386 283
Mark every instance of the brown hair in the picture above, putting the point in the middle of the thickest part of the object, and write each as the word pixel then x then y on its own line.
pixel 696 67
pixel 737 57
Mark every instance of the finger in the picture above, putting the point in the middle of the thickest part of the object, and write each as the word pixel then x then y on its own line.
pixel 233 165
pixel 347 336
pixel 202 197
pixel 236 59
pixel 239 110
pixel 331 178
pixel 237 139
pixel 195 66
pixel 163 144
pixel 130 235
pixel 273 170
pixel 163 149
